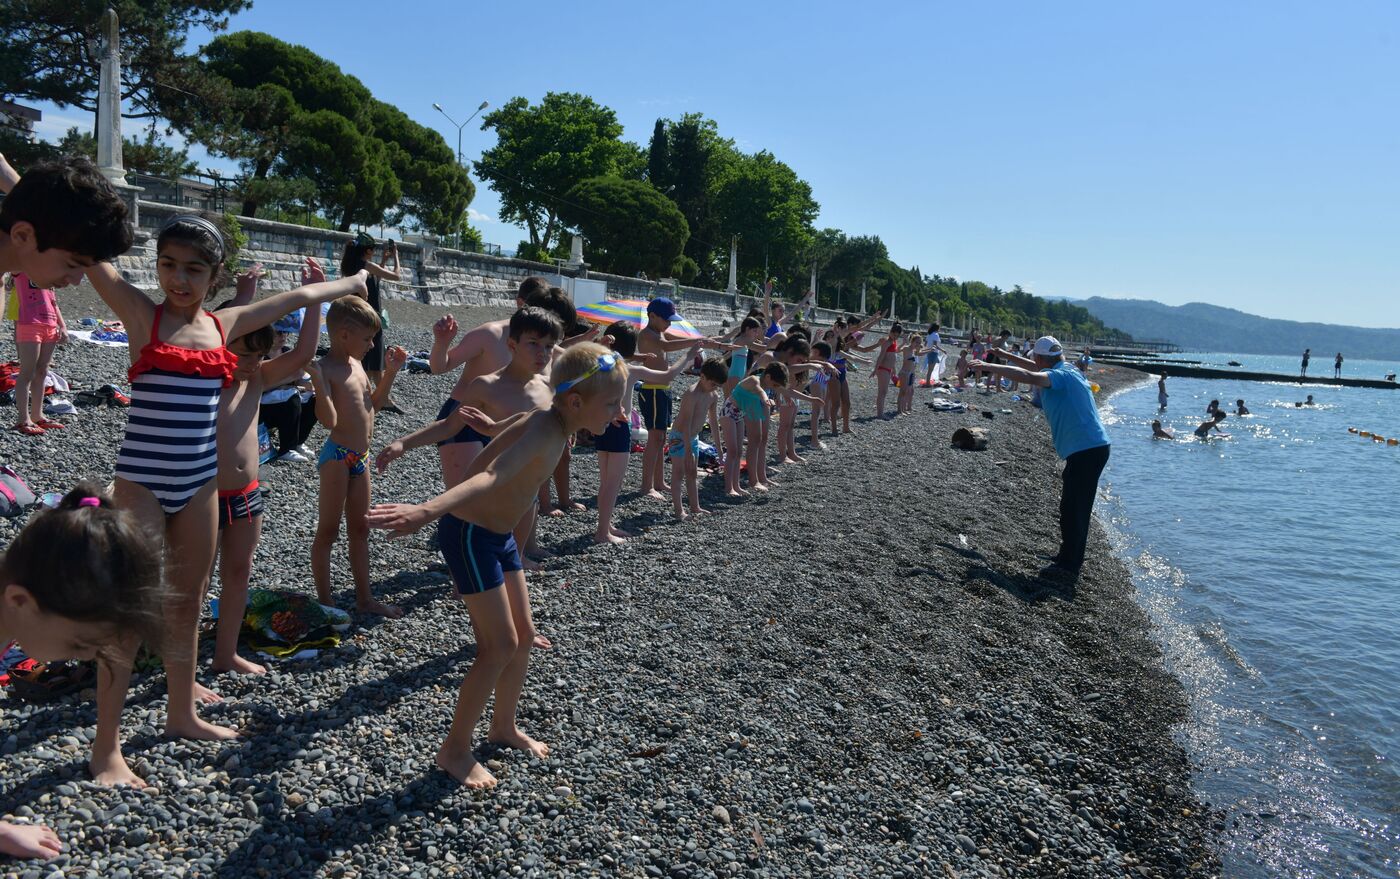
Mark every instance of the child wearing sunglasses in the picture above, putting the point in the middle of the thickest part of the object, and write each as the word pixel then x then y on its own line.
pixel 474 535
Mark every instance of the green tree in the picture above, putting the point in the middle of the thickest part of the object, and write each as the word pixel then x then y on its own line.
pixel 436 189
pixel 659 157
pixel 351 173
pixel 50 50
pixel 770 208
pixel 630 227
pixel 699 160
pixel 542 151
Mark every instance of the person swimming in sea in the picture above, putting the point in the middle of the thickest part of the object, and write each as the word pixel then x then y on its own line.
pixel 1203 432
pixel 1307 402
pixel 1241 408
pixel 1160 432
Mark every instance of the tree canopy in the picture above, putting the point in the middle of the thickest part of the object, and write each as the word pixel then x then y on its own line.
pixel 288 115
pixel 542 151
pixel 629 226
pixel 50 50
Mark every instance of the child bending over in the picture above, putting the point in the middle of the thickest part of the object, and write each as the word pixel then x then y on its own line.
pixel 474 535
pixel 78 580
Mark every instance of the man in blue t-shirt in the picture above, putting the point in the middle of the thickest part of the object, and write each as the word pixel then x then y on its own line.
pixel 1078 434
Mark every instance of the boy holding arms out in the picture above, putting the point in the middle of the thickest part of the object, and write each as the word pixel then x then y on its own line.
pixel 654 400
pixel 349 416
pixel 518 387
pixel 683 442
pixel 475 538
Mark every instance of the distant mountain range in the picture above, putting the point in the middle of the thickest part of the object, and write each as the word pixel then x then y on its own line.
pixel 1201 327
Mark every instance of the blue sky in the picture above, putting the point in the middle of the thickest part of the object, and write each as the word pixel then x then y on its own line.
pixel 1243 154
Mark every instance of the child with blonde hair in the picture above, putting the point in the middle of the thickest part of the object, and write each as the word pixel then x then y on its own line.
pixel 474 534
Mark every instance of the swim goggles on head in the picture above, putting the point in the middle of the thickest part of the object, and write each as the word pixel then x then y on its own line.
pixel 606 363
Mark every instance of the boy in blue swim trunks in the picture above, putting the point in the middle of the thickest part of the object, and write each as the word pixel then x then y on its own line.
pixel 519 386
pixel 474 535
pixel 654 342
pixel 683 442
pixel 345 482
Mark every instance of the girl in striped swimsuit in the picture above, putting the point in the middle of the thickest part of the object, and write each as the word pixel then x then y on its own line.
pixel 168 460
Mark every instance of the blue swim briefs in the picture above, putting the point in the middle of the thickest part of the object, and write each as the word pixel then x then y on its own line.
pixel 477 558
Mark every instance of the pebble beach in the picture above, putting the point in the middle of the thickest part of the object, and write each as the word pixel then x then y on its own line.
pixel 860 674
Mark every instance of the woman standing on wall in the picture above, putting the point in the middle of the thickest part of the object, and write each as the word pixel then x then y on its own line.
pixel 357 256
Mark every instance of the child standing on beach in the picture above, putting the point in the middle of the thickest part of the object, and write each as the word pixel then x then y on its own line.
pixel 909 376
pixel 240 495
pixel 475 538
pixel 683 442
pixel 654 398
pixel 520 386
pixel 349 416
pixel 614 445
pixel 39 328
pixel 751 398
pixel 65 604
pixel 168 461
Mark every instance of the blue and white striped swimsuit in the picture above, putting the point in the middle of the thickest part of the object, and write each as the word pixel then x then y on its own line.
pixel 170 444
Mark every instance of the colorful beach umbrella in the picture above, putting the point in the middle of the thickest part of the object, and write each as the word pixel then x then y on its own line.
pixel 634 311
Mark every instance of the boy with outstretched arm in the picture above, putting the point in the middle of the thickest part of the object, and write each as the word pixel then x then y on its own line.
pixel 345 479
pixel 60 219
pixel 479 352
pixel 475 538
pixel 683 442
pixel 654 398
pixel 614 445
pixel 519 386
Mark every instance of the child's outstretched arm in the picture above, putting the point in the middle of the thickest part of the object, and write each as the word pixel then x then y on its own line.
pixel 648 375
pixel 477 492
pixel 315 290
pixel 245 286
pixel 394 359
pixel 293 362
pixel 588 335
pixel 436 432
pixel 8 175
pixel 445 357
pixel 130 304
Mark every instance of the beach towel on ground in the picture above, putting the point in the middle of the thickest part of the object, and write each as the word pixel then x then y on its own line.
pixel 281 623
pixel 105 338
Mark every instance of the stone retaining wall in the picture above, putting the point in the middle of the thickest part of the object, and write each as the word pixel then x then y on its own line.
pixel 432 274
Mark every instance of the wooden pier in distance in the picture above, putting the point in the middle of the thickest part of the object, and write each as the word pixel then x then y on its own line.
pixel 1180 370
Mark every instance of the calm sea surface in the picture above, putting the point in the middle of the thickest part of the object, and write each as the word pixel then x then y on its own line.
pixel 1270 561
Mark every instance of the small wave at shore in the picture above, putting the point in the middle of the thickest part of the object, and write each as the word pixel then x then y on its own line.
pixel 1261 569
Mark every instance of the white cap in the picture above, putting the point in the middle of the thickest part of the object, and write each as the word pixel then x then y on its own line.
pixel 1048 346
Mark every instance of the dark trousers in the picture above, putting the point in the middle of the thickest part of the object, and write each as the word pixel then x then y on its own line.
pixel 1082 471
pixel 292 420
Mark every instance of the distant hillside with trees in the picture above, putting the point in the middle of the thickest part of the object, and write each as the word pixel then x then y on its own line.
pixel 1201 327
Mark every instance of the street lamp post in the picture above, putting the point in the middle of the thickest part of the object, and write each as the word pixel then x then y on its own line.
pixel 438 107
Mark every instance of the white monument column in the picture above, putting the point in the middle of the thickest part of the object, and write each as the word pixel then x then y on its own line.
pixel 862 299
pixel 109 103
pixel 733 288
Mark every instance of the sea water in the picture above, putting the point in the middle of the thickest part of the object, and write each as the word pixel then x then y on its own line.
pixel 1270 562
